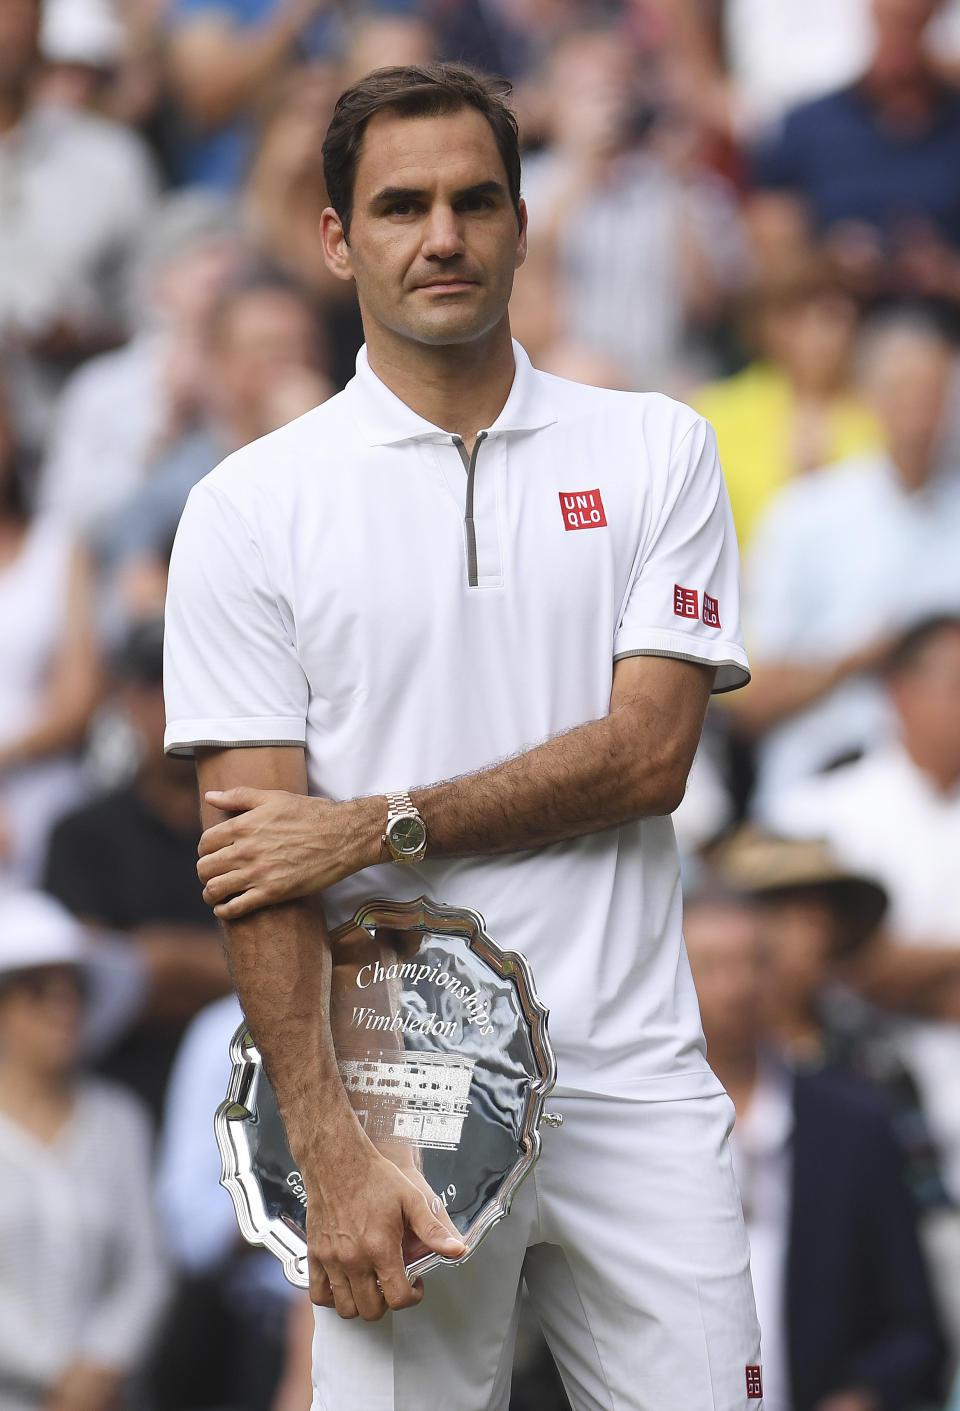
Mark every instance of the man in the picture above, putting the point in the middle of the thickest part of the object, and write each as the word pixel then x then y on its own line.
pixel 656 241
pixel 76 195
pixel 881 530
pixel 124 862
pixel 895 814
pixel 428 574
pixel 871 168
pixel 844 1302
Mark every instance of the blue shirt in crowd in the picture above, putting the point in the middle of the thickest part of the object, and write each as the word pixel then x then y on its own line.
pixel 219 157
pixel 848 163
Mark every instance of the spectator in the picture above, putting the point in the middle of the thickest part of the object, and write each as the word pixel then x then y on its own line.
pixel 842 1294
pixel 845 558
pixel 624 231
pixel 75 196
pixel 814 915
pixel 746 62
pixel 225 1342
pixel 266 367
pixel 82 1282
pixel 103 55
pixel 118 412
pixel 223 56
pixel 874 169
pixel 895 814
pixel 49 669
pixel 792 409
pixel 127 862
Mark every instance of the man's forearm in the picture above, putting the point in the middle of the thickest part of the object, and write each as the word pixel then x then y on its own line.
pixel 581 782
pixel 631 764
pixel 280 961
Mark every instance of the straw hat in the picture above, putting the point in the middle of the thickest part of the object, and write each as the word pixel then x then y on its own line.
pixel 759 864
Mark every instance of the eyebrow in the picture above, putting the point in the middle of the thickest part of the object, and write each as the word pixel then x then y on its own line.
pixel 413 193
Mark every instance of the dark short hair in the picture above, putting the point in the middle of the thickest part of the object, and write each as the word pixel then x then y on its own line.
pixel 909 647
pixel 414 91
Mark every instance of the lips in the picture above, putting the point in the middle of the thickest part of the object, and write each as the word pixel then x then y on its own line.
pixel 448 284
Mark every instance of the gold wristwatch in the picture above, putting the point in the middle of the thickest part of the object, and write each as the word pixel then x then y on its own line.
pixel 406 833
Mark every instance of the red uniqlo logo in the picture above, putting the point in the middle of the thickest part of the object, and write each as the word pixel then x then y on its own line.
pixel 582 509
pixel 686 601
pixel 754 1384
pixel 711 611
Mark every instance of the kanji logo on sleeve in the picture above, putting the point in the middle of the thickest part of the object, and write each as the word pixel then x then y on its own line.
pixel 686 601
pixel 582 509
pixel 711 611
pixel 754 1384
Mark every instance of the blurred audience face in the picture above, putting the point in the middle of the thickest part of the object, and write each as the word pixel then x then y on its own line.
pixel 264 335
pixel 40 1018
pixel 385 41
pixel 436 269
pixel 926 696
pixel 590 93
pixel 19 44
pixel 188 287
pixel 730 970
pixel 799 933
pixel 907 376
pixel 811 336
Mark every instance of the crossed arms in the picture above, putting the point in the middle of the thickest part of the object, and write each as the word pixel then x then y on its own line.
pixel 264 867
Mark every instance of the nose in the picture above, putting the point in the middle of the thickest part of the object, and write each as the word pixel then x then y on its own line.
pixel 442 239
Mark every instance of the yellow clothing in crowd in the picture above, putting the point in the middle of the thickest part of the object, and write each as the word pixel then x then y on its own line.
pixel 753 416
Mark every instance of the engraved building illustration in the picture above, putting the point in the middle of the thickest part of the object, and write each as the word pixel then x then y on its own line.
pixel 415 1098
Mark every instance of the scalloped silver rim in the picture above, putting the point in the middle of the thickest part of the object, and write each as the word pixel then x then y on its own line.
pixel 285 1241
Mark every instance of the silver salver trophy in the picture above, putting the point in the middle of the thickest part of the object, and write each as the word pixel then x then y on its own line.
pixel 442 1047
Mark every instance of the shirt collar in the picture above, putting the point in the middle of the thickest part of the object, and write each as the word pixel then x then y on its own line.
pixel 386 421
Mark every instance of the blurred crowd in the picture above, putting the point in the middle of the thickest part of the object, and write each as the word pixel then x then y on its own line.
pixel 753 205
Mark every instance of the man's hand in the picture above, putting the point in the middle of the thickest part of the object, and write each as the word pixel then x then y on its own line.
pixel 358 1220
pixel 280 846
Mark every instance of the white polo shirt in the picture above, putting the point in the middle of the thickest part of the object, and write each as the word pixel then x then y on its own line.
pixel 329 588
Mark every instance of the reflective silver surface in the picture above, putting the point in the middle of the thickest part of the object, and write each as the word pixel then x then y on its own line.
pixel 442 1046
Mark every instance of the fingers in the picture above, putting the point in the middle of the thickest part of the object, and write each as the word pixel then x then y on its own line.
pixel 237 800
pixel 435 1229
pixel 253 900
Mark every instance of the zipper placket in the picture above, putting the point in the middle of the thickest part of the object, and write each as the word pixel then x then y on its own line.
pixel 470 466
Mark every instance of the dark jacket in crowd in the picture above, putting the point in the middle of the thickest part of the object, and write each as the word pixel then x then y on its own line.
pixel 859 1308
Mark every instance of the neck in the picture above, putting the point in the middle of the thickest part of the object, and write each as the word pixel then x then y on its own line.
pixel 945 778
pixel 907 92
pixel 13 104
pixel 460 387
pixel 736 1067
pixel 913 464
pixel 24 1090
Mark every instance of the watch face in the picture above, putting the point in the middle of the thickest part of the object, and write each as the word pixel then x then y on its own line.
pixel 407 834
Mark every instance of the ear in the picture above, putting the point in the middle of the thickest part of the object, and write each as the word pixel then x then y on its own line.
pixel 522 242
pixel 336 251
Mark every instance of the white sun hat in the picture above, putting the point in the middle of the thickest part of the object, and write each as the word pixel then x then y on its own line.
pixel 37 930
pixel 81 32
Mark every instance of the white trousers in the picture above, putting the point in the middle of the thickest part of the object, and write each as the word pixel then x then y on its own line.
pixel 629 1237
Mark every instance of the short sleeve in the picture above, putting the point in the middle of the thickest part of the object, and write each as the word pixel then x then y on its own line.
pixel 232 675
pixel 775 164
pixel 684 598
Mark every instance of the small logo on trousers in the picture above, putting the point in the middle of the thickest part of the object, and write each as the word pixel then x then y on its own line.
pixel 754 1384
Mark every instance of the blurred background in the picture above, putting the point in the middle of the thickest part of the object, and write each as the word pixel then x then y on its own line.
pixel 753 205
